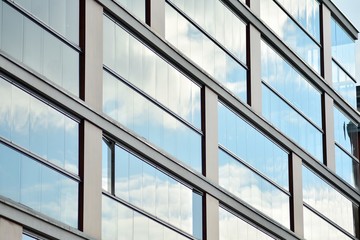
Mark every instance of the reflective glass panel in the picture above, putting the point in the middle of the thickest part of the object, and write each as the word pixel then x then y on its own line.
pixel 39 128
pixel 347 168
pixel 245 184
pixel 233 227
pixel 27 237
pixel 143 68
pixel 150 189
pixel 316 228
pixel 289 32
pixel 218 21
pixel 251 146
pixel 37 186
pixel 122 222
pixel 346 132
pixel 307 13
pixel 151 122
pixel 38 49
pixel 204 52
pixel 286 81
pixel 329 202
pixel 292 124
pixel 344 84
pixel 62 16
pixel 343 48
pixel 136 7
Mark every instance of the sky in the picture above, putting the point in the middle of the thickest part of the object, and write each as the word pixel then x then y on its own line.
pixel 350 8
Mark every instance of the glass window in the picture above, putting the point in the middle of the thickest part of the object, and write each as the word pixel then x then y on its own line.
pixel 38 186
pixel 143 68
pixel 316 228
pixel 289 32
pixel 322 197
pixel 218 21
pixel 343 48
pixel 286 81
pixel 344 84
pixel 150 189
pixel 347 167
pixel 150 121
pixel 252 147
pixel 121 222
pixel 38 49
pixel 204 52
pixel 292 124
pixel 136 7
pixel 346 132
pixel 62 16
pixel 32 124
pixel 233 227
pixel 306 13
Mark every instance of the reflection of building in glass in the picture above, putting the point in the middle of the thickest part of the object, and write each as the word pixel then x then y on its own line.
pixel 178 119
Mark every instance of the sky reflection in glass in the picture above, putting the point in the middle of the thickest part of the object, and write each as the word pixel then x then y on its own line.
pixel 233 227
pixel 347 168
pixel 204 52
pixel 37 186
pixel 39 128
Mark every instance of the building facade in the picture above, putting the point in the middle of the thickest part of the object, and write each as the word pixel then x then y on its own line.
pixel 178 119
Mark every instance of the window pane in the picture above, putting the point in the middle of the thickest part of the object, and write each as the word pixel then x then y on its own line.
pixel 329 202
pixel 136 7
pixel 239 180
pixel 204 52
pixel 346 167
pixel 344 84
pixel 251 146
pixel 233 227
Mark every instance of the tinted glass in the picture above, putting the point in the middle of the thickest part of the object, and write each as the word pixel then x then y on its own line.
pixel 150 189
pixel 251 146
pixel 247 185
pixel 37 186
pixel 204 52
pixel 316 228
pixel 292 124
pixel 27 237
pixel 329 202
pixel 233 227
pixel 39 128
pixel 217 20
pixel 346 132
pixel 30 44
pixel 139 65
pixel 122 222
pixel 343 48
pixel 151 122
pixel 62 16
pixel 286 81
pixel 344 84
pixel 347 168
pixel 306 13
pixel 136 7
pixel 289 32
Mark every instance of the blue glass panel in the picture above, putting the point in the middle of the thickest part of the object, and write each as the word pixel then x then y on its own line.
pixel 233 227
pixel 328 201
pixel 344 84
pixel 292 124
pixel 253 189
pixel 289 32
pixel 346 132
pixel 343 47
pixel 251 146
pixel 347 168
pixel 151 122
pixel 136 63
pixel 204 52
pixel 282 77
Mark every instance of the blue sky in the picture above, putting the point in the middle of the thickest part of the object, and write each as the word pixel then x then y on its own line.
pixel 351 10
